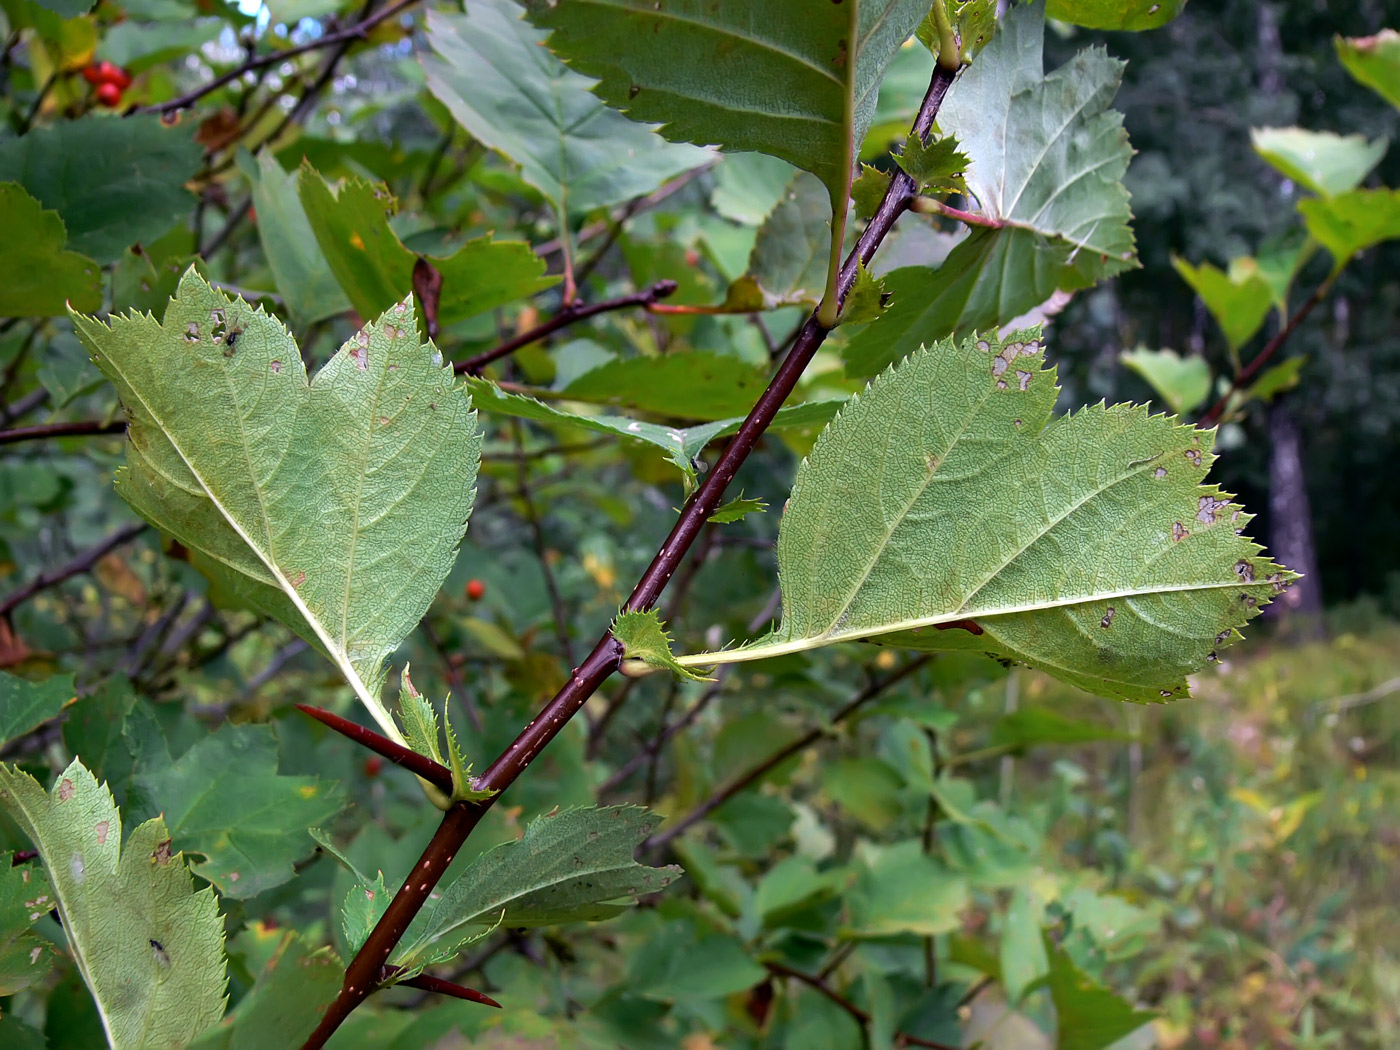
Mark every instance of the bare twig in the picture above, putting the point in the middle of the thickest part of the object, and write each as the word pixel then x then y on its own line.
pixel 76 566
pixel 51 430
pixel 860 1014
pixel 362 976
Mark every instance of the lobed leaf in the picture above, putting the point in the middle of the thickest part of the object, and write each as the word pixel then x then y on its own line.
pixel 38 276
pixel 643 637
pixel 1238 298
pixel 945 509
pixel 1046 161
pixel 1321 161
pixel 335 506
pixel 26 705
pixel 1374 61
pixel 25 898
pixel 1183 382
pixel 149 948
pixel 1352 222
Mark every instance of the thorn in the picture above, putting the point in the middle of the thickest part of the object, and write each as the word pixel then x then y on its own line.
pixel 419 765
pixel 428 983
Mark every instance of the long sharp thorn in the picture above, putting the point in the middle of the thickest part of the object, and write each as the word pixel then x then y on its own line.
pixel 420 765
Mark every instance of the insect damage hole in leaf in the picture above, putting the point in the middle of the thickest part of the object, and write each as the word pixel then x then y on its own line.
pixel 296 494
pixel 946 494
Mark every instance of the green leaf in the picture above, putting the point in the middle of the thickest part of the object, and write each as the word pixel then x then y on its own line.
pixel 1276 380
pixel 569 866
pixel 866 300
pixel 334 506
pixel 421 728
pixel 38 278
pixel 1031 726
pixel 789 257
pixel 67 8
pixel 285 1004
pixel 1238 300
pixel 374 268
pixel 1021 950
pixel 16 1035
pixel 129 186
pixel 1374 61
pixel 737 509
pixel 224 798
pixel 644 638
pixel 1322 161
pixel 713 74
pixel 945 496
pixel 1352 222
pixel 688 964
pixel 1183 382
pixel 901 889
pixel 150 949
pixel 1047 162
pixel 500 83
pixel 937 167
pixel 25 898
pixel 748 186
pixel 868 190
pixel 1116 14
pixel 866 788
pixel 299 267
pixel 365 904
pixel 26 705
pixel 1089 1016
pixel 973 23
pixel 696 385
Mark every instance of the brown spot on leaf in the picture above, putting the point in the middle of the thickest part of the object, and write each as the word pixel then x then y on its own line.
pixel 1194 456
pixel 275 366
pixel 1244 569
pixel 1024 377
pixel 1179 531
pixel 103 826
pixel 1160 472
pixel 1223 637
pixel 66 790
pixel 1208 507
pixel 162 853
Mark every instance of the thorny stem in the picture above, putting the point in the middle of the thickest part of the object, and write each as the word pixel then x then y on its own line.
pixel 860 1014
pixel 429 983
pixel 724 793
pixel 570 313
pixel 1272 347
pixel 362 976
pixel 419 765
pixel 76 566
pixel 348 35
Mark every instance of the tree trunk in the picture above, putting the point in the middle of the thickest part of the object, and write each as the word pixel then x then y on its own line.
pixel 1290 522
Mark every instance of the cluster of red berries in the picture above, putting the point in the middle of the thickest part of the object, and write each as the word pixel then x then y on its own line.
pixel 110 81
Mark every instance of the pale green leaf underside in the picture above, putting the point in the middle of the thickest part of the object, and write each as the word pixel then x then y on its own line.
pixel 569 866
pixel 1084 545
pixel 1321 161
pixel 334 506
pixel 772 77
pixel 149 948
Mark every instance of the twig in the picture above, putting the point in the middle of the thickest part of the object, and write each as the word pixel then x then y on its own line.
pixel 1338 704
pixel 363 973
pixel 235 218
pixel 570 314
pixel 348 35
pixel 532 519
pixel 28 121
pixel 429 983
pixel 76 566
pixel 602 226
pixel 48 430
pixel 750 776
pixel 860 1014
pixel 419 765
pixel 1270 349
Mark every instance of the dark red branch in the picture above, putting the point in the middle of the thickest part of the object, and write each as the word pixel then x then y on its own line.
pixel 861 1015
pixel 76 566
pixel 49 430
pixel 429 983
pixel 419 765
pixel 570 314
pixel 362 975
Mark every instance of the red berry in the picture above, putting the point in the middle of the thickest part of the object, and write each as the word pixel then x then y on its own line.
pixel 117 75
pixel 476 590
pixel 373 766
pixel 92 73
pixel 109 94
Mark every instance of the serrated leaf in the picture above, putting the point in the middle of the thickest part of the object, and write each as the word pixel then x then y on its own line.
pixel 26 705
pixel 1352 222
pixel 644 638
pixel 224 798
pixel 1116 14
pixel 420 724
pixel 299 267
pixel 38 277
pixel 365 904
pixel 129 186
pixel 25 898
pixel 1321 161
pixel 1183 382
pixel 285 1004
pixel 1088 1015
pixel 737 509
pixel 569 866
pixel 935 167
pixel 868 190
pixel 149 948
pixel 1276 380
pixel 335 506
pixel 351 224
pixel 866 300
pixel 502 85
pixel 1047 158
pixel 973 23
pixel 945 509
pixel 789 257
pixel 1238 299
pixel 1374 61
pixel 799 83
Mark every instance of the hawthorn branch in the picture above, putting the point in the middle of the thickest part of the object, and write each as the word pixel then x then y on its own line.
pixel 349 35
pixel 363 974
pixel 723 794
pixel 1264 356
pixel 570 313
pixel 48 430
pixel 76 566
pixel 860 1014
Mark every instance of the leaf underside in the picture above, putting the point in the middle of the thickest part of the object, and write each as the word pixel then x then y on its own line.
pixel 149 947
pixel 1086 545
pixel 334 506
